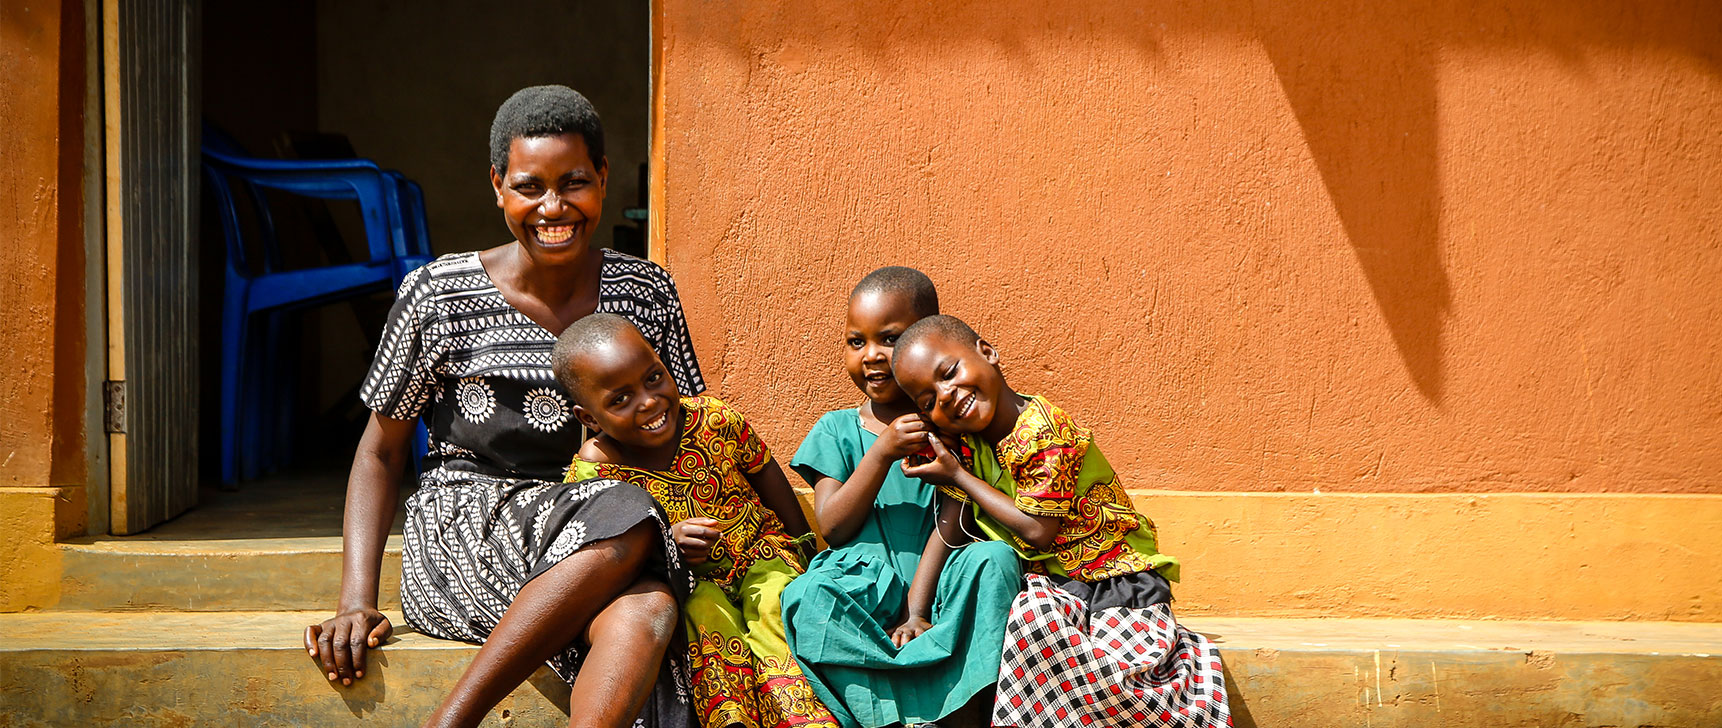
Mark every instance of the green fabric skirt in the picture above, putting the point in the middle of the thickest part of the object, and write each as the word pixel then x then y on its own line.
pixel 838 615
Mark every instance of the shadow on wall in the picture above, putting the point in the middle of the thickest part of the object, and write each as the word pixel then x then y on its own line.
pixel 1359 76
pixel 1362 85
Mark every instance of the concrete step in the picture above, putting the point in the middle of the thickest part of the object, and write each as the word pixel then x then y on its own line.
pixel 272 545
pixel 248 668
pixel 228 669
pixel 217 574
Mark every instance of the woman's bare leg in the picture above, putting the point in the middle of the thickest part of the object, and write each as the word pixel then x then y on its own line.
pixel 628 638
pixel 548 614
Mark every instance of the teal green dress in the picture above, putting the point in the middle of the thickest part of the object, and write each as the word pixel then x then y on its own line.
pixel 838 613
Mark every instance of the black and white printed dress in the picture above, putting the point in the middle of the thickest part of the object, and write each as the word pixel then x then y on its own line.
pixel 491 511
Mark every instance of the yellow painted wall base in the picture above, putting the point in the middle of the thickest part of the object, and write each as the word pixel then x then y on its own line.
pixel 1498 556
pixel 31 520
pixel 1506 556
pixel 1495 556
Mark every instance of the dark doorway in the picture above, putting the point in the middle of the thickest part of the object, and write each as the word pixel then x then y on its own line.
pixel 413 87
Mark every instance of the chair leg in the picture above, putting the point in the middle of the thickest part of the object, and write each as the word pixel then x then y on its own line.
pixel 253 406
pixel 283 386
pixel 232 373
pixel 270 397
pixel 421 445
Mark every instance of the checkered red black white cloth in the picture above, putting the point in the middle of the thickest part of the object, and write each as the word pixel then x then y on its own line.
pixel 1064 666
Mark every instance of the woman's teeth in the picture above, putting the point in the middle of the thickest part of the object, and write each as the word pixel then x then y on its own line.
pixel 967 404
pixel 555 233
pixel 659 422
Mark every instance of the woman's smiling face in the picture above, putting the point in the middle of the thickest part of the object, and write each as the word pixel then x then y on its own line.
pixel 551 196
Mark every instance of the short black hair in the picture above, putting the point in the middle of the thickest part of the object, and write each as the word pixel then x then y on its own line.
pixel 903 281
pixel 590 332
pixel 950 328
pixel 537 111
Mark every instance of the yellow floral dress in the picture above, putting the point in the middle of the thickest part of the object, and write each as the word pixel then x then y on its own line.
pixel 743 673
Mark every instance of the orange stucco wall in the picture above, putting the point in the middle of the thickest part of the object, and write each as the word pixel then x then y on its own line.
pixel 41 295
pixel 41 243
pixel 1417 247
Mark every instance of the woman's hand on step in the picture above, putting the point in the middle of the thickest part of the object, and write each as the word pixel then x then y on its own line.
pixel 338 645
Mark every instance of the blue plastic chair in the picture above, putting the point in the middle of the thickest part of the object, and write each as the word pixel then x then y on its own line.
pixel 392 210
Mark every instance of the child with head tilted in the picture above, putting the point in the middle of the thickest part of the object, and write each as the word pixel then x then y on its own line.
pixel 735 519
pixel 872 656
pixel 1092 639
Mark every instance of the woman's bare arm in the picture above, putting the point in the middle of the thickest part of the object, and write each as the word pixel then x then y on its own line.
pixel 373 489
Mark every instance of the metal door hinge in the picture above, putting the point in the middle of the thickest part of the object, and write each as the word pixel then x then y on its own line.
pixel 114 406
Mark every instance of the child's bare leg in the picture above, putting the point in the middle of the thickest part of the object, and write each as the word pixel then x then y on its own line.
pixel 548 614
pixel 628 638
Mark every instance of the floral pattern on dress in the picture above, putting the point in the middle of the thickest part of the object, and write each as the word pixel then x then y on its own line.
pixel 477 401
pixel 708 478
pixel 545 409
pixel 1059 473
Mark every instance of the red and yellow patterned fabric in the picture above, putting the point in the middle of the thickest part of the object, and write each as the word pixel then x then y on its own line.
pixel 708 478
pixel 1050 466
pixel 743 673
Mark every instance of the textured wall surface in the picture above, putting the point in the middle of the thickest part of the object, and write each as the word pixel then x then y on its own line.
pixel 41 244
pixel 41 295
pixel 1415 247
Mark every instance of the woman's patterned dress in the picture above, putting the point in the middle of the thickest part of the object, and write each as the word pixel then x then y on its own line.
pixel 491 511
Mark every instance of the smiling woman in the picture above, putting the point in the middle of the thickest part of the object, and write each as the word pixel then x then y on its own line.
pixel 497 549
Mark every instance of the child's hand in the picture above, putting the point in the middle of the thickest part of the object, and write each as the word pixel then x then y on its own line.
pixel 902 437
pixel 943 468
pixel 911 628
pixel 695 536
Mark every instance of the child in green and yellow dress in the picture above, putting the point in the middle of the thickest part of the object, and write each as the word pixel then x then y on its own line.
pixel 1092 639
pixel 735 518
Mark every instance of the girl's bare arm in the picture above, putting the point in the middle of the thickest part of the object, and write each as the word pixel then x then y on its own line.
pixel 918 612
pixel 774 491
pixel 1037 531
pixel 842 506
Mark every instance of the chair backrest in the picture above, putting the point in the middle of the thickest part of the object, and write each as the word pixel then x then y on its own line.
pixel 227 208
pixel 353 179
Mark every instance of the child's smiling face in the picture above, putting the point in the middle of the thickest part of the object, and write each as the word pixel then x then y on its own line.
pixel 957 386
pixel 876 319
pixel 627 394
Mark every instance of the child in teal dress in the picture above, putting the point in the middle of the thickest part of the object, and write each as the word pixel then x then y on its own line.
pixel 872 659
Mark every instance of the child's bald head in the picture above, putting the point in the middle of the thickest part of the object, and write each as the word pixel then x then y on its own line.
pixel 946 328
pixel 907 284
pixel 585 346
